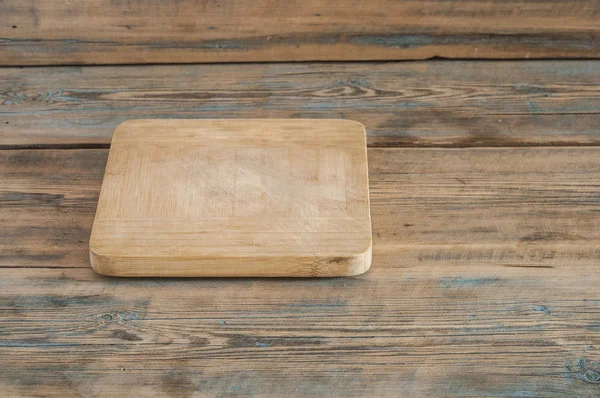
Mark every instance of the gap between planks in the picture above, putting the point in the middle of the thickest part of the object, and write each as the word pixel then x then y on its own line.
pixel 374 146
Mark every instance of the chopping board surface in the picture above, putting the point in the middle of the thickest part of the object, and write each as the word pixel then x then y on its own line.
pixel 259 197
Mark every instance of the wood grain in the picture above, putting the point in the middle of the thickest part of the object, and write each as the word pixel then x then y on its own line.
pixel 226 197
pixel 484 278
pixel 514 207
pixel 484 283
pixel 47 205
pixel 151 31
pixel 415 104
pixel 477 330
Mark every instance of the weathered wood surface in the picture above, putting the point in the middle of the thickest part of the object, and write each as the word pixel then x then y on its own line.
pixel 513 207
pixel 154 31
pixel 419 104
pixel 485 260
pixel 484 283
pixel 476 330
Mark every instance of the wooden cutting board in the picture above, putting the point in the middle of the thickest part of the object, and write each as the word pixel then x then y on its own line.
pixel 260 197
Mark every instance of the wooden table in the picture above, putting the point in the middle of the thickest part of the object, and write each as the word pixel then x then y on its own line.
pixel 485 199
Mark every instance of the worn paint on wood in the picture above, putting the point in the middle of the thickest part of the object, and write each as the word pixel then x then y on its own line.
pixel 151 31
pixel 420 104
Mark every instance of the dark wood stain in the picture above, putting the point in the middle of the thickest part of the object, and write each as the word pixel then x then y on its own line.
pixel 124 335
pixel 268 342
pixel 177 383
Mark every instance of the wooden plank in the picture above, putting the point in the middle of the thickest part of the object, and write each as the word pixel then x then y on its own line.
pixel 47 205
pixel 151 31
pixel 416 104
pixel 227 197
pixel 412 329
pixel 512 207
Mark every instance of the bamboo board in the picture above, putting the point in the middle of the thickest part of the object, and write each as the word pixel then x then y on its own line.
pixel 234 198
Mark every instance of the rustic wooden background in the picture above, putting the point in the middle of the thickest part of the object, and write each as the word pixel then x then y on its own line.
pixel 485 191
pixel 54 32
